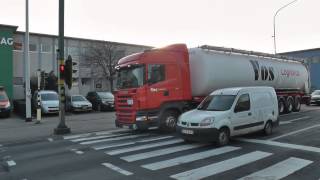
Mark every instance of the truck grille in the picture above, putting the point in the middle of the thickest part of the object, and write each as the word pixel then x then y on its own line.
pixel 125 113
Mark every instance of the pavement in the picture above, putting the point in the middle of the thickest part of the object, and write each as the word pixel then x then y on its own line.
pixel 15 129
pixel 291 152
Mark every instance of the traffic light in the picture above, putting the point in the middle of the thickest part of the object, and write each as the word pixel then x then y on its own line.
pixel 62 71
pixel 68 72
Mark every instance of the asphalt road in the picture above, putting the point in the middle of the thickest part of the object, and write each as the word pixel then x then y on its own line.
pixel 292 152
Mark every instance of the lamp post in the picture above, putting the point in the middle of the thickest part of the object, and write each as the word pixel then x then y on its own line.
pixel 274 24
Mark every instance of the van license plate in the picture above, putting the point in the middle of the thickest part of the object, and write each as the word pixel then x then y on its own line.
pixel 187 131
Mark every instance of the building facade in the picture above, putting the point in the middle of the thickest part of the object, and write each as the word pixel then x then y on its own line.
pixel 43 56
pixel 312 56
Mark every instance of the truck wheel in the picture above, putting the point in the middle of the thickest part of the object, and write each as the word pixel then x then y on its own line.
pixel 297 104
pixel 268 128
pixel 281 106
pixel 223 137
pixel 169 121
pixel 289 105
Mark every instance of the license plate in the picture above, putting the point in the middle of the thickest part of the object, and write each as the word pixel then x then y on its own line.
pixel 187 131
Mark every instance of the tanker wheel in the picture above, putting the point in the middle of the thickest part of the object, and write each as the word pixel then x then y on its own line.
pixel 169 121
pixel 289 105
pixel 297 104
pixel 281 106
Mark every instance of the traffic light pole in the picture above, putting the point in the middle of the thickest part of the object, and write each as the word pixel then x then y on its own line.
pixel 62 127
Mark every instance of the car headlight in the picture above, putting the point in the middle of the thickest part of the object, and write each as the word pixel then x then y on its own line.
pixel 207 121
pixel 7 105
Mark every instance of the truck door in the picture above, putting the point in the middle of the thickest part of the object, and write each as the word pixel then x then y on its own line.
pixel 242 119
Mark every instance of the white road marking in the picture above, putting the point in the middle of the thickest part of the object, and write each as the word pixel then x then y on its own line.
pixel 141 147
pixel 77 151
pixel 112 131
pixel 155 139
pixel 100 147
pixel 11 163
pixel 293 120
pixel 96 137
pixel 77 136
pixel 113 139
pixel 189 158
pixel 294 132
pixel 50 139
pixel 137 157
pixel 222 166
pixel 115 168
pixel 112 146
pixel 285 145
pixel 279 170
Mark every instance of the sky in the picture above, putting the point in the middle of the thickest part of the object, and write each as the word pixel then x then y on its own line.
pixel 242 24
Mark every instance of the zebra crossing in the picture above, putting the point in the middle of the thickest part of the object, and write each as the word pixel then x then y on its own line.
pixel 153 152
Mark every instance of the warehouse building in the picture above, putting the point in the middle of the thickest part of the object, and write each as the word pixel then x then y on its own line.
pixel 43 56
pixel 312 56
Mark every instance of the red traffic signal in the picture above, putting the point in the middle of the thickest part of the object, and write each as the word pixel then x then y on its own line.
pixel 62 71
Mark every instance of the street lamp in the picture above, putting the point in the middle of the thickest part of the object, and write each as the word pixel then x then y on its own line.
pixel 274 24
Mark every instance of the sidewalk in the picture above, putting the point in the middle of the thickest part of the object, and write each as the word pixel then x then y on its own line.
pixel 15 129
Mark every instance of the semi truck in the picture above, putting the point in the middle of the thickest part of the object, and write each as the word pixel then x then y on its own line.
pixel 155 86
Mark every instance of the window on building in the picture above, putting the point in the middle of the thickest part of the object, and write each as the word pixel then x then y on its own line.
pixel 45 48
pixel 73 50
pixel 32 47
pixel 18 46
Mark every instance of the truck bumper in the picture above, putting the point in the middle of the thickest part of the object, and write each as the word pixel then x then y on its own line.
pixel 198 134
pixel 137 125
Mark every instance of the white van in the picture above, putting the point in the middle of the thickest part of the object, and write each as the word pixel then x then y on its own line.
pixel 231 112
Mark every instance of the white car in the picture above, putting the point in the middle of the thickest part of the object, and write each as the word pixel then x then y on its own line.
pixel 77 103
pixel 49 101
pixel 230 112
pixel 315 97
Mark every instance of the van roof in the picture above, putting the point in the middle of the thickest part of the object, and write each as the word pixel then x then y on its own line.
pixel 236 90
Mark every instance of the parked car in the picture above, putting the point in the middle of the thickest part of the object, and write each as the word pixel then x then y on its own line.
pixel 315 97
pixel 77 103
pixel 101 100
pixel 49 101
pixel 231 112
pixel 5 105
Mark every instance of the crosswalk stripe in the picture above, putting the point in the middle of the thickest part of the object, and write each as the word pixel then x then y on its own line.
pixel 76 136
pixel 141 147
pixel 136 157
pixel 280 170
pixel 113 139
pixel 115 168
pixel 189 158
pixel 113 131
pixel 222 166
pixel 98 137
pixel 112 146
pixel 103 146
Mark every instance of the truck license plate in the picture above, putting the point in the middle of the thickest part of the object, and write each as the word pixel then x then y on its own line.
pixel 187 131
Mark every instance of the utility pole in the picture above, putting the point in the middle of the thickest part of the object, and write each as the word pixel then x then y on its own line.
pixel 62 127
pixel 27 67
pixel 274 25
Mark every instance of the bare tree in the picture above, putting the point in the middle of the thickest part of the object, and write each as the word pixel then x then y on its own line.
pixel 106 55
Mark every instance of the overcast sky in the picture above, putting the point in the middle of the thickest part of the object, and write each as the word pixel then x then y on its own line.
pixel 244 24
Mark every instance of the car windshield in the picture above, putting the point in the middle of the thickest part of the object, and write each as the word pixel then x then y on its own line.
pixel 49 97
pixel 3 97
pixel 105 95
pixel 316 93
pixel 131 77
pixel 78 98
pixel 217 103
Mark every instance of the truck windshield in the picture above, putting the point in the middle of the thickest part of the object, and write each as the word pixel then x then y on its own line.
pixel 131 77
pixel 217 103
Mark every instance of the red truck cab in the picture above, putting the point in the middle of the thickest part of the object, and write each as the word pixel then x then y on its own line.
pixel 153 88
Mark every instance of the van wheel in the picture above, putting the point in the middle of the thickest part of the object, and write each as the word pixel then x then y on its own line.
pixel 223 137
pixel 289 105
pixel 297 104
pixel 268 128
pixel 169 121
pixel 281 106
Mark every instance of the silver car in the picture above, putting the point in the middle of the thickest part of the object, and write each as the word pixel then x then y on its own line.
pixel 49 101
pixel 315 97
pixel 78 103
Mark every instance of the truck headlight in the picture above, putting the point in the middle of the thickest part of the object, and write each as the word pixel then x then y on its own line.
pixel 207 121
